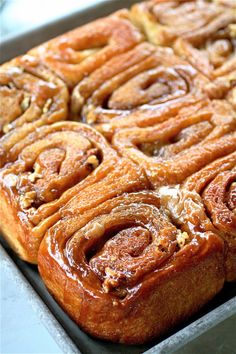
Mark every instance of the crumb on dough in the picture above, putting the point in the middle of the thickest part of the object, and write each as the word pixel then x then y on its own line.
pixel 182 237
pixel 27 199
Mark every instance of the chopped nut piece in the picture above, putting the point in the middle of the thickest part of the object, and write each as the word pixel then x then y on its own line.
pixel 109 282
pixel 93 160
pixel 31 211
pixel 47 105
pixel 105 287
pixel 37 168
pixel 25 103
pixel 7 128
pixel 36 174
pixel 182 237
pixel 27 199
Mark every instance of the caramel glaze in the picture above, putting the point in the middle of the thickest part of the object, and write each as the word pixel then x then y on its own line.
pixel 121 262
pixel 214 54
pixel 216 184
pixel 171 151
pixel 79 52
pixel 140 87
pixel 164 21
pixel 31 96
pixel 201 32
pixel 51 166
pixel 133 238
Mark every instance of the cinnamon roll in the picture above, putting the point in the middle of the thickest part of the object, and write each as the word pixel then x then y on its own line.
pixel 171 151
pixel 223 87
pixel 200 31
pixel 216 184
pixel 164 21
pixel 213 53
pixel 140 87
pixel 76 54
pixel 51 166
pixel 124 272
pixel 206 201
pixel 30 96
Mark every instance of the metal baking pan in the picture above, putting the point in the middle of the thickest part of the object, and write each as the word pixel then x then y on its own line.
pixel 72 340
pixel 68 335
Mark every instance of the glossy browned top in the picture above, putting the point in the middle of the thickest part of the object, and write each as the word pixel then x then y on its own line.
pixel 77 53
pixel 122 245
pixel 171 151
pixel 166 20
pixel 144 81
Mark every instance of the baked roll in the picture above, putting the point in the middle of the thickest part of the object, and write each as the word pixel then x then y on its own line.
pixel 213 53
pixel 216 184
pixel 51 166
pixel 138 88
pixel 164 21
pixel 223 87
pixel 31 96
pixel 76 54
pixel 171 151
pixel 125 273
pixel 201 32
pixel 207 201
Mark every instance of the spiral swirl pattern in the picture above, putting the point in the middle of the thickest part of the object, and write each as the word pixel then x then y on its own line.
pixel 116 255
pixel 215 56
pixel 133 223
pixel 171 151
pixel 30 96
pixel 206 202
pixel 144 84
pixel 195 20
pixel 216 184
pixel 201 32
pixel 54 164
pixel 213 52
pixel 78 53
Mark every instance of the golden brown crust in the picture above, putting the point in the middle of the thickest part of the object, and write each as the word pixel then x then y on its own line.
pixel 49 168
pixel 163 21
pixel 201 32
pixel 138 88
pixel 206 202
pixel 122 263
pixel 31 96
pixel 133 238
pixel 171 151
pixel 213 52
pixel 216 184
pixel 78 53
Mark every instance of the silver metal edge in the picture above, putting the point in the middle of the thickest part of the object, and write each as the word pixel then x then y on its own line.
pixel 54 328
pixel 14 45
pixel 53 22
pixel 195 329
